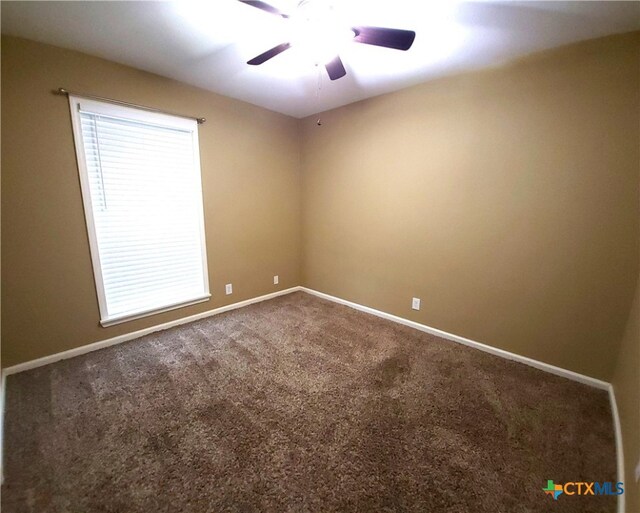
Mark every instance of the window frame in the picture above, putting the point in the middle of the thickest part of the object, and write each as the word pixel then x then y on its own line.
pixel 156 118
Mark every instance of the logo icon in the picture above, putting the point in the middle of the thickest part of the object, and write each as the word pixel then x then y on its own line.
pixel 583 488
pixel 555 490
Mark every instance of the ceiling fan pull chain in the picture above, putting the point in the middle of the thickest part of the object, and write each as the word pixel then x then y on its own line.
pixel 318 122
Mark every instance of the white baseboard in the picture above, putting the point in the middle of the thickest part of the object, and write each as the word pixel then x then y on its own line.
pixel 559 371
pixel 77 351
pixel 39 362
pixel 617 429
pixel 3 385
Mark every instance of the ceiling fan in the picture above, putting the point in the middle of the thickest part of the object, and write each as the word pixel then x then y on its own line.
pixel 316 27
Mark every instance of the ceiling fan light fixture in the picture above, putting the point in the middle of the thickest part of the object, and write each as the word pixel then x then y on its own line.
pixel 318 32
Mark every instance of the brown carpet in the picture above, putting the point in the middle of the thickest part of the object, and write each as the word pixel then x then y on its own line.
pixel 298 404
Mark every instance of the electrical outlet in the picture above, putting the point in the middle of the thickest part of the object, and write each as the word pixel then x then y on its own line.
pixel 638 472
pixel 276 279
pixel 415 303
pixel 228 288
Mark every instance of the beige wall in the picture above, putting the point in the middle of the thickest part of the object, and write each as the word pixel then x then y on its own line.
pixel 251 182
pixel 626 383
pixel 506 200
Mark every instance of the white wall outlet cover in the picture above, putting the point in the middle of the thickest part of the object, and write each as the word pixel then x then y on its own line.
pixel 276 279
pixel 638 472
pixel 228 288
pixel 415 303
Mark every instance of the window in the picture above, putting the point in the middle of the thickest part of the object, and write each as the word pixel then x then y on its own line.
pixel 141 187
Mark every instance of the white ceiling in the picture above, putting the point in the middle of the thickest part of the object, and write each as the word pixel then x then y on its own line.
pixel 207 42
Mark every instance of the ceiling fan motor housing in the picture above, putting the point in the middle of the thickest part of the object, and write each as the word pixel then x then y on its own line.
pixel 318 30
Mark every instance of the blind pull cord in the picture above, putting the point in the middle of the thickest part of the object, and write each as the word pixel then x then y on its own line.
pixel 104 191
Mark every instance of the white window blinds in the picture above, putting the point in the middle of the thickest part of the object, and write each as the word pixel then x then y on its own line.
pixel 140 176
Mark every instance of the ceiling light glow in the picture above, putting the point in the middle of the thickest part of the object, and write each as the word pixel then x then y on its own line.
pixel 318 31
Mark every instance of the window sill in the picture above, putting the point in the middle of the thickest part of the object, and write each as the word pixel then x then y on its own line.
pixel 105 323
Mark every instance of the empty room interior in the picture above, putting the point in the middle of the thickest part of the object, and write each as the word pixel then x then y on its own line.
pixel 320 256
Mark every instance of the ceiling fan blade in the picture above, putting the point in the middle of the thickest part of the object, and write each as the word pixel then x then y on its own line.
pixel 269 54
pixel 389 38
pixel 335 68
pixel 264 6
